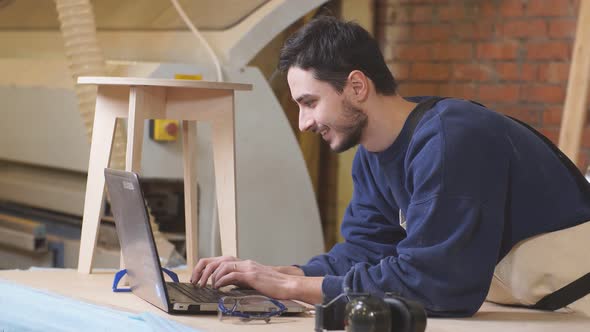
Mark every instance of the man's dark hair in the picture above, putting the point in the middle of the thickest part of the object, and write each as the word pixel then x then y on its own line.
pixel 332 49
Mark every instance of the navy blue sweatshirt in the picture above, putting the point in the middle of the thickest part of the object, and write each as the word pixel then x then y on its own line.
pixel 471 183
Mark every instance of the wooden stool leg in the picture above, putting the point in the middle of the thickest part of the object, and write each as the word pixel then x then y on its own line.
pixel 191 209
pixel 135 127
pixel 110 104
pixel 224 160
pixel 578 88
pixel 134 131
pixel 144 103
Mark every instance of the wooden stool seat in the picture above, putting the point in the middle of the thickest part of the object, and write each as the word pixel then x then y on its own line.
pixel 146 98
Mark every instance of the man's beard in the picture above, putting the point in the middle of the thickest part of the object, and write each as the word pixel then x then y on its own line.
pixel 351 133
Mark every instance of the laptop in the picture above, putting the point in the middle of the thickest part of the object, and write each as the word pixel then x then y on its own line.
pixel 142 261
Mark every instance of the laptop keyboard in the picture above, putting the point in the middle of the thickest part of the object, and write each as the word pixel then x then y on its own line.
pixel 199 294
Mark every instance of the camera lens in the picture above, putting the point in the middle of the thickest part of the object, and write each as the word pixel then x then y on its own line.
pixel 368 314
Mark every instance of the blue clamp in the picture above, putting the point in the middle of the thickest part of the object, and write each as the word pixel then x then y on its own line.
pixel 119 275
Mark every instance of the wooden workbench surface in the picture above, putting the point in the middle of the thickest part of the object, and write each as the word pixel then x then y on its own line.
pixel 96 288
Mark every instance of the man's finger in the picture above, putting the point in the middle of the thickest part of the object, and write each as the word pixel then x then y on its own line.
pixel 223 269
pixel 232 278
pixel 196 275
pixel 211 267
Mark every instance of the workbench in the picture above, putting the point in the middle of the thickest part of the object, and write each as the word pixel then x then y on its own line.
pixel 96 288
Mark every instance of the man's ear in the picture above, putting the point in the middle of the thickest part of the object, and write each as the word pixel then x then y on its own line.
pixel 359 83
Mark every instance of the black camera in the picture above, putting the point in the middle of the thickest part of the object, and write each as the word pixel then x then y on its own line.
pixel 368 313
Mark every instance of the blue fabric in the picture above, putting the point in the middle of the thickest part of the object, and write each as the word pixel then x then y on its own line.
pixel 471 184
pixel 27 309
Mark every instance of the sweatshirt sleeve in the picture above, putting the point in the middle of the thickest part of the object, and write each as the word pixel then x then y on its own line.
pixel 455 221
pixel 370 229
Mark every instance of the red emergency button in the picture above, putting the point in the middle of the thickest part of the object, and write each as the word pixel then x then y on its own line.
pixel 171 128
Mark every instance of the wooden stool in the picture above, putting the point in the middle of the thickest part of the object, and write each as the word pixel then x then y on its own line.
pixel 146 98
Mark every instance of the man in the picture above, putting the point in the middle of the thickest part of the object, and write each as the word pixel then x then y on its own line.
pixel 439 198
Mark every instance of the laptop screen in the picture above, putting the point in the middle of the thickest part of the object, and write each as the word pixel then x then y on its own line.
pixel 135 236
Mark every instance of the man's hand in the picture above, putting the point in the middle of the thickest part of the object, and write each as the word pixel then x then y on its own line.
pixel 251 274
pixel 206 266
pixel 268 281
pixel 280 282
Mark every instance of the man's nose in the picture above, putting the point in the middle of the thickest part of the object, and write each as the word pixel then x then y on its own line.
pixel 305 121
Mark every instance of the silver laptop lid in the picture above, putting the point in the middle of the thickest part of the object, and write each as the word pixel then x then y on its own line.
pixel 136 238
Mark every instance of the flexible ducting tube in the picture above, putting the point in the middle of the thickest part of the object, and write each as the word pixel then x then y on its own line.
pixel 85 59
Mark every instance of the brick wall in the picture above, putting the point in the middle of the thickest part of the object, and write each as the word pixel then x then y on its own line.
pixel 512 55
